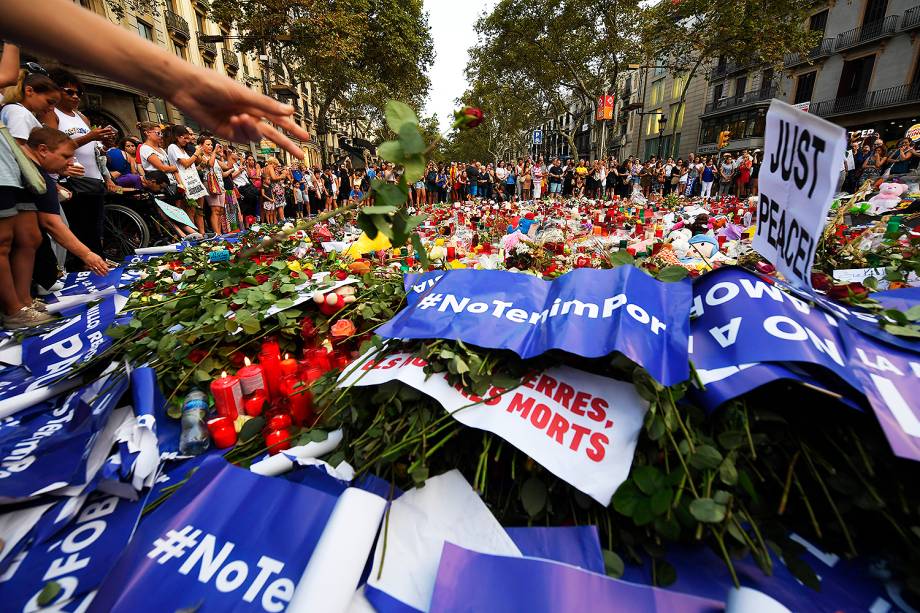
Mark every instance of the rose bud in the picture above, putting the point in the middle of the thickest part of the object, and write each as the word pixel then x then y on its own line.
pixel 467 117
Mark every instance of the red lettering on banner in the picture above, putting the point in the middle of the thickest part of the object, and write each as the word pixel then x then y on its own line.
pixel 546 385
pixel 557 428
pixel 518 404
pixel 564 394
pixel 419 362
pixel 599 409
pixel 579 403
pixel 369 365
pixel 494 396
pixel 580 432
pixel 599 441
pixel 528 379
pixel 544 414
pixel 391 363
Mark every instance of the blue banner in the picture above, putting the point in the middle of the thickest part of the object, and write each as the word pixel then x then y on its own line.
pixel 77 559
pixel 471 581
pixel 576 545
pixel 740 318
pixel 47 446
pixel 76 283
pixel 229 538
pixel 77 340
pixel 588 312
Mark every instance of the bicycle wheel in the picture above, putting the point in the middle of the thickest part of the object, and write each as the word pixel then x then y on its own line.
pixel 125 230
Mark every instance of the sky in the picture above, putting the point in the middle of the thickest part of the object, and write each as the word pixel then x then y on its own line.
pixel 452 31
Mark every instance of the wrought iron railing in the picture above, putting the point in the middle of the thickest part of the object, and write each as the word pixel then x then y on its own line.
pixel 177 25
pixel 911 18
pixel 908 93
pixel 750 97
pixel 822 50
pixel 231 62
pixel 207 47
pixel 867 32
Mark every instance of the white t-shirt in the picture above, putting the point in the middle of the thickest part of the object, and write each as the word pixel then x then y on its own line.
pixel 19 120
pixel 74 127
pixel 241 179
pixel 146 152
pixel 174 153
pixel 501 173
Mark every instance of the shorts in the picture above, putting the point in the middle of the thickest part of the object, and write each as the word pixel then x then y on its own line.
pixel 215 201
pixel 555 188
pixel 473 189
pixel 8 197
pixel 26 206
pixel 298 196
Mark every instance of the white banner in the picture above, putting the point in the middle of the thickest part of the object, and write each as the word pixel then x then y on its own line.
pixel 803 155
pixel 581 427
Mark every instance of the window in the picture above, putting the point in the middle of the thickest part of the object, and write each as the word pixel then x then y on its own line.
pixel 659 68
pixel 199 21
pixel 144 30
pixel 740 86
pixel 804 87
pixel 766 80
pixel 875 11
pixel 652 125
pixel 717 92
pixel 677 115
pixel 656 93
pixel 818 22
pixel 679 82
pixel 855 76
pixel 180 50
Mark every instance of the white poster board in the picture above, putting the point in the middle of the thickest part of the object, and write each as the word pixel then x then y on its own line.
pixel 175 213
pixel 194 189
pixel 803 155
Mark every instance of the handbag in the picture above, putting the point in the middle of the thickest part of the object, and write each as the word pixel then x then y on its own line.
pixel 212 185
pixel 33 179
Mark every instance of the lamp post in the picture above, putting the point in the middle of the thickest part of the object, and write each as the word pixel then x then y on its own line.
pixel 661 123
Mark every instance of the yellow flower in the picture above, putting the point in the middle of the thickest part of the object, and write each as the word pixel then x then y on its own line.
pixel 294 266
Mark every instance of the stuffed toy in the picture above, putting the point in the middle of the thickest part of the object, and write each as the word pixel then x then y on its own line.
pixel 704 245
pixel 888 197
pixel 335 300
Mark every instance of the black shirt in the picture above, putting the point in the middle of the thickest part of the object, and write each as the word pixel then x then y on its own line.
pixel 472 173
pixel 47 202
pixel 555 174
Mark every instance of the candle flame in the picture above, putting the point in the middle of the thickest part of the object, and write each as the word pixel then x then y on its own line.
pixel 247 362
pixel 223 375
pixel 287 356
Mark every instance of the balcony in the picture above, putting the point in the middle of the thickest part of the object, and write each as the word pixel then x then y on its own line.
pixel 822 50
pixel 231 62
pixel 734 102
pixel 207 48
pixel 867 33
pixel 911 19
pixel 727 69
pixel 909 93
pixel 177 25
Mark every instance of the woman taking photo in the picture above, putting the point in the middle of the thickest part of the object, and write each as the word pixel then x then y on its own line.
pixel 209 167
pixel 872 167
pixel 177 139
pixel 273 180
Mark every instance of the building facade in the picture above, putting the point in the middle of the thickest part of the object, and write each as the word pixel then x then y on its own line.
pixel 182 27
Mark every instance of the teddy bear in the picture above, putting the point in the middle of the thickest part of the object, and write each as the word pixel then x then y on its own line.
pixel 888 197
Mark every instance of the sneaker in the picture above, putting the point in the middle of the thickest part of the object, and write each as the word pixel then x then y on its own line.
pixel 26 318
pixel 39 305
pixel 41 291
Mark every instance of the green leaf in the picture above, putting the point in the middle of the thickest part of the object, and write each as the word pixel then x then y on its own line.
pixel 896 316
pixel 420 249
pixel 669 528
pixel 414 168
pixel 613 564
pixel 252 428
pixel 908 331
pixel 732 439
pixel 621 258
pixel 707 510
pixel 803 572
pixel 643 513
pixel 379 210
pixel 398 114
pixel 419 475
pixel 913 313
pixel 411 139
pixel 728 473
pixel 648 479
pixel 661 500
pixel 705 457
pixel 665 574
pixel 391 150
pixel 48 593
pixel 533 496
pixel 672 273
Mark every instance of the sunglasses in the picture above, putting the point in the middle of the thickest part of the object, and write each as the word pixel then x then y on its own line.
pixel 72 92
pixel 35 68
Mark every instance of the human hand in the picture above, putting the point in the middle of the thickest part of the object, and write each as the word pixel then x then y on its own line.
pixel 95 263
pixel 101 133
pixel 74 169
pixel 233 111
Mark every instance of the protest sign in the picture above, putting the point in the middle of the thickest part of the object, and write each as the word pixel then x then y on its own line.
pixel 586 312
pixel 76 283
pixel 175 213
pixel 472 581
pixel 803 155
pixel 581 427
pixel 77 559
pixel 890 379
pixel 203 545
pixel 60 444
pixel 740 318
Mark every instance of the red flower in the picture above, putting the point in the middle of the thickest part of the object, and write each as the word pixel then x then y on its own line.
pixel 307 329
pixel 261 278
pixel 467 117
pixel 196 355
pixel 340 275
pixel 294 275
pixel 842 292
pixel 234 306
pixel 226 292
pixel 821 281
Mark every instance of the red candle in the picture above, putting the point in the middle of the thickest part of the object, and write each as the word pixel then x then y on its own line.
pixel 222 432
pixel 721 240
pixel 271 347
pixel 318 358
pixel 279 421
pixel 251 378
pixel 313 374
pixel 451 253
pixel 271 368
pixel 299 399
pixel 228 396
pixel 276 441
pixel 254 404
pixel 289 366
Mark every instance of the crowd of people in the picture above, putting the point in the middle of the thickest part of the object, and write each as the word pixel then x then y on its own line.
pixel 532 178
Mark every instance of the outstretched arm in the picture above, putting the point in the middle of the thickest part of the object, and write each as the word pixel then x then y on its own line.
pixel 62 29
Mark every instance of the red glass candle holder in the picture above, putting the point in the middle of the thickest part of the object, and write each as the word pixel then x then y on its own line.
pixel 222 432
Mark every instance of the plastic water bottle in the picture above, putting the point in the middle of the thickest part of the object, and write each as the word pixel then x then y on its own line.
pixel 194 439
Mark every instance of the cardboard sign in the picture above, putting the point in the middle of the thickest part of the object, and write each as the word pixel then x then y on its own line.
pixel 175 213
pixel 582 427
pixel 803 155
